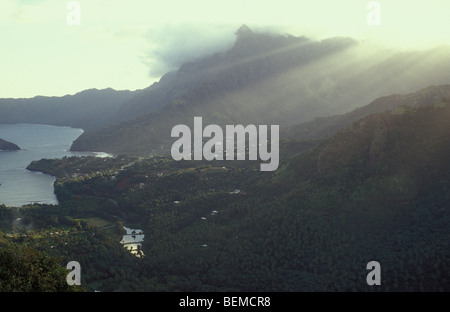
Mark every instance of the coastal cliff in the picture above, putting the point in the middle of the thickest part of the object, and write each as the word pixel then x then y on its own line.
pixel 8 146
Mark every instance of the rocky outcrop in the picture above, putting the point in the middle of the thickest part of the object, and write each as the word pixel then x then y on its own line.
pixel 8 146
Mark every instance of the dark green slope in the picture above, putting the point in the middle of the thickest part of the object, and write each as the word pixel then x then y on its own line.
pixel 376 191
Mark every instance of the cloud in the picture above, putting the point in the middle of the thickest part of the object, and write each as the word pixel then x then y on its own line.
pixel 129 45
pixel 171 45
pixel 7 9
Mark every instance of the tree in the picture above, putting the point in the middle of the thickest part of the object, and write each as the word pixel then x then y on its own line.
pixel 25 269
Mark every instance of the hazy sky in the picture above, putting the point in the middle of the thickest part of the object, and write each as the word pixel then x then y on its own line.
pixel 130 44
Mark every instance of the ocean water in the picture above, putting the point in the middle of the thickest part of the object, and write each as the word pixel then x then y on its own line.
pixel 20 186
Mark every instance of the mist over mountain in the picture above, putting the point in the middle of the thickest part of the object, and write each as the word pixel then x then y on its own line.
pixel 406 139
pixel 204 87
pixel 253 58
pixel 266 79
pixel 170 46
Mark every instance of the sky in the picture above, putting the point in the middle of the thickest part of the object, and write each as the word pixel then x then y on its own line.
pixel 59 47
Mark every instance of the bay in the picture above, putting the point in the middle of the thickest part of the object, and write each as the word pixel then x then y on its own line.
pixel 132 241
pixel 20 186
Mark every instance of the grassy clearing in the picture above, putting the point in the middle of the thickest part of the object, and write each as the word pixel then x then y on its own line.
pixel 98 222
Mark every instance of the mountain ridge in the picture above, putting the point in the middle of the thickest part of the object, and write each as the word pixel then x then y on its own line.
pixel 324 127
pixel 87 109
pixel 380 144
pixel 264 79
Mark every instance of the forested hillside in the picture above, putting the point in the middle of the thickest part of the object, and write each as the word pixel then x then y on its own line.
pixel 378 190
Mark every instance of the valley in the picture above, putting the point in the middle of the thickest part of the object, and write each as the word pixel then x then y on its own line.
pixel 312 225
pixel 362 175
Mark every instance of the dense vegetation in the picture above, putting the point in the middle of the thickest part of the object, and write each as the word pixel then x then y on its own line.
pixel 24 268
pixel 378 190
